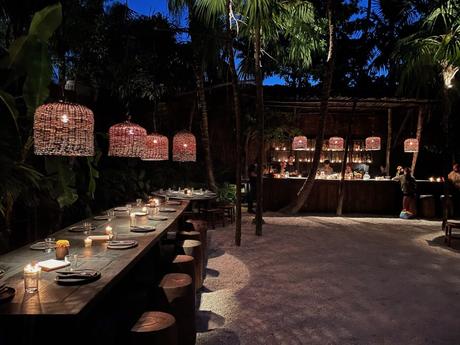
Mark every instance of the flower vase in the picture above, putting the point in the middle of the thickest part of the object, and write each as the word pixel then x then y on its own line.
pixel 61 252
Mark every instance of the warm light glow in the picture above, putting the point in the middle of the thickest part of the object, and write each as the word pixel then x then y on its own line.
pixel 336 143
pixel 300 143
pixel 373 144
pixel 411 145
pixel 65 118
pixel 126 140
pixel 184 147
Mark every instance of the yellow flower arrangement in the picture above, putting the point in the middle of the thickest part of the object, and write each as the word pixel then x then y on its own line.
pixel 62 243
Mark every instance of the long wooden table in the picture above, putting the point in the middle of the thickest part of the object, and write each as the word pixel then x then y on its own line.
pixel 53 299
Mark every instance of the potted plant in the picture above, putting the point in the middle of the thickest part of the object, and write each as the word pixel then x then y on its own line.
pixel 62 249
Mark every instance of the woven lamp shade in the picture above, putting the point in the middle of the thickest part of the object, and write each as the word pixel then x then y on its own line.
pixel 63 129
pixel 300 143
pixel 184 147
pixel 336 143
pixel 156 148
pixel 126 140
pixel 373 144
pixel 411 145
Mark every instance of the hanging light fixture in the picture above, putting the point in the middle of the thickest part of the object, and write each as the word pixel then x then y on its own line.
pixel 411 145
pixel 63 129
pixel 184 147
pixel 300 143
pixel 373 143
pixel 156 148
pixel 336 144
pixel 126 140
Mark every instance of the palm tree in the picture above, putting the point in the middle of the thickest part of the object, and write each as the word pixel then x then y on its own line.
pixel 306 188
pixel 178 6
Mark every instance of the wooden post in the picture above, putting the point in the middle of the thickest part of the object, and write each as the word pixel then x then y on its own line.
pixel 341 192
pixel 418 135
pixel 389 137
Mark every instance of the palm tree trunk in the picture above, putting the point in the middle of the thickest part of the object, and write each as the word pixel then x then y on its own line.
pixel 237 111
pixel 305 190
pixel 260 128
pixel 418 135
pixel 389 138
pixel 202 106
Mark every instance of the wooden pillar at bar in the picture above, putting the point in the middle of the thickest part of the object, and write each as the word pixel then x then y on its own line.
pixel 418 135
pixel 344 163
pixel 389 138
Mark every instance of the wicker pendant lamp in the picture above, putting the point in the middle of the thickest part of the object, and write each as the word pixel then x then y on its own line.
pixel 63 129
pixel 411 145
pixel 336 144
pixel 373 143
pixel 300 143
pixel 184 147
pixel 156 148
pixel 126 139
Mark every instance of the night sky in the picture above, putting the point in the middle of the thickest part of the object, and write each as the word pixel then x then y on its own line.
pixel 148 7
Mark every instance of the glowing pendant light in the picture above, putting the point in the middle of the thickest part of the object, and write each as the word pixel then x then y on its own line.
pixel 184 147
pixel 336 144
pixel 63 129
pixel 300 143
pixel 156 148
pixel 373 144
pixel 126 140
pixel 411 145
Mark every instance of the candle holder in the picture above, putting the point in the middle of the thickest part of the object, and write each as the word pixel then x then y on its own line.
pixel 88 242
pixel 31 278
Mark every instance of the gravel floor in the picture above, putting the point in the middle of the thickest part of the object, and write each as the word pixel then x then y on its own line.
pixel 331 280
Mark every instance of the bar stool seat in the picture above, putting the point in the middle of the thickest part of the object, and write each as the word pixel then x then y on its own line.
pixel 202 227
pixel 180 300
pixel 184 264
pixel 154 327
pixel 188 235
pixel 427 206
pixel 195 249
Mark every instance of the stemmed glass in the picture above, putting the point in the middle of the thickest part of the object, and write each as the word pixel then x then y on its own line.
pixel 110 214
pixel 50 244
pixel 87 228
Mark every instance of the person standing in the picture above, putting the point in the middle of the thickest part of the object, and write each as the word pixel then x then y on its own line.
pixel 454 181
pixel 409 190
pixel 252 171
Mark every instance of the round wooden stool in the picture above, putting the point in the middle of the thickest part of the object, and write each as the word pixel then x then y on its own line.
pixel 180 296
pixel 202 227
pixel 185 264
pixel 188 235
pixel 194 248
pixel 427 206
pixel 154 327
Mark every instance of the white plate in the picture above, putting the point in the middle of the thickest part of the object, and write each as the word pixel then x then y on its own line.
pixel 165 209
pixel 39 246
pixel 101 218
pixel 120 245
pixel 139 214
pixel 159 218
pixel 120 209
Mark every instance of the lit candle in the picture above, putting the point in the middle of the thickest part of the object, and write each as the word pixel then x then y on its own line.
pixel 31 277
pixel 438 179
pixel 88 242
pixel 108 230
pixel 144 209
pixel 156 202
pixel 431 179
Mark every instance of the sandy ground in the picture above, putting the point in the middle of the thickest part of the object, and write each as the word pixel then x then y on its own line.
pixel 331 280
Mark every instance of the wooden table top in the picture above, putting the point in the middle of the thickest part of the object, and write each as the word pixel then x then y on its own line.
pixel 54 299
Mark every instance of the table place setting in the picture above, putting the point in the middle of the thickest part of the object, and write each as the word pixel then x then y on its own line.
pixel 101 217
pixel 157 218
pixel 6 293
pixel 122 244
pixel 85 227
pixel 142 228
pixel 77 277
pixel 167 209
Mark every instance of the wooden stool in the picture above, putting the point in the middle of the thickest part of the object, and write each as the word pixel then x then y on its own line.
pixel 213 214
pixel 427 206
pixel 202 227
pixel 185 264
pixel 447 209
pixel 188 235
pixel 194 248
pixel 229 211
pixel 448 231
pixel 179 293
pixel 154 327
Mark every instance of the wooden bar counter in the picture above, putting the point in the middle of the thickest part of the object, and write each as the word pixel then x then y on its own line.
pixel 382 197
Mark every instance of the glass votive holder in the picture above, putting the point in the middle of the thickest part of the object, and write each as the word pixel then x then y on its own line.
pixel 31 278
pixel 88 242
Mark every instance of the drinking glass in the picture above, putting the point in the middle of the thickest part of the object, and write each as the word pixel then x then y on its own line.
pixel 114 236
pixel 50 243
pixel 166 198
pixel 110 214
pixel 72 259
pixel 129 207
pixel 138 202
pixel 31 278
pixel 87 228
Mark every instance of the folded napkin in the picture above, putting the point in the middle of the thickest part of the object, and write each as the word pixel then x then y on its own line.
pixel 142 228
pixel 52 264
pixel 78 274
pixel 99 237
pixel 121 243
